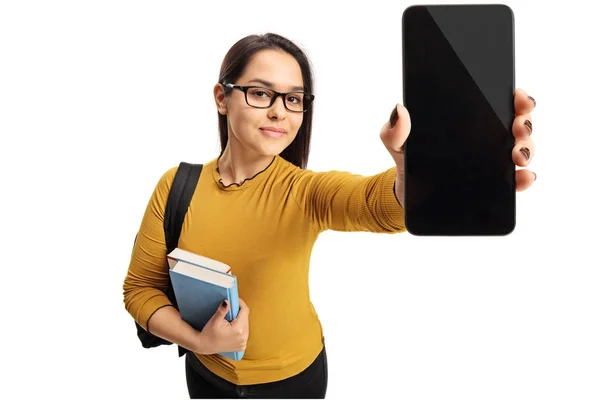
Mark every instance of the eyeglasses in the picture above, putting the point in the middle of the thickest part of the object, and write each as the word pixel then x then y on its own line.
pixel 261 97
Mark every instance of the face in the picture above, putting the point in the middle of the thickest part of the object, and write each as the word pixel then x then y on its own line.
pixel 266 131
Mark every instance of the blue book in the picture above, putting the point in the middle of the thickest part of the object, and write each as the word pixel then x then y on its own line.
pixel 200 291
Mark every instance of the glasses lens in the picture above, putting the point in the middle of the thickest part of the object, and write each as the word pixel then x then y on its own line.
pixel 259 97
pixel 295 101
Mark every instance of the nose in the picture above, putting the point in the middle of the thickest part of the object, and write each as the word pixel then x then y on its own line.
pixel 277 110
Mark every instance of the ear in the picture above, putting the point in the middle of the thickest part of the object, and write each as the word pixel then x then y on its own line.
pixel 220 99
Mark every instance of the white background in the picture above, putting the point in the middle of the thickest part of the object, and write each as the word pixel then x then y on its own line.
pixel 98 99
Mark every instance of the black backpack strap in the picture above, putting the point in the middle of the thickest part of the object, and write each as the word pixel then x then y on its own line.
pixel 180 195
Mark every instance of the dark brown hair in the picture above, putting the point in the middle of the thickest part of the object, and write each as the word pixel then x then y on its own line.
pixel 232 68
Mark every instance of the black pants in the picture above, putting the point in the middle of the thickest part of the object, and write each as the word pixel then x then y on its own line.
pixel 308 384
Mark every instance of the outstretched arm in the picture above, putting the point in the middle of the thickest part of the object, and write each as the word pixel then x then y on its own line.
pixel 342 201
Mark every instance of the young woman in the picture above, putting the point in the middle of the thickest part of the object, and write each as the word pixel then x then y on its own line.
pixel 258 209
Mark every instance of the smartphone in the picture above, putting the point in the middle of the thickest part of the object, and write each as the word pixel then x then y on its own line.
pixel 458 84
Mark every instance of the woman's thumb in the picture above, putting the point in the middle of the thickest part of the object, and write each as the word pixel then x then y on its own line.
pixel 395 131
pixel 223 309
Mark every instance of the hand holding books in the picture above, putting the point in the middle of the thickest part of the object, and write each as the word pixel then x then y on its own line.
pixel 222 336
pixel 207 297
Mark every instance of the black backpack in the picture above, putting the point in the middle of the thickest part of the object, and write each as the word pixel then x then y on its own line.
pixel 180 194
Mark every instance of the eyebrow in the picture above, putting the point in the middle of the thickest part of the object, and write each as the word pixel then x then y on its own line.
pixel 271 85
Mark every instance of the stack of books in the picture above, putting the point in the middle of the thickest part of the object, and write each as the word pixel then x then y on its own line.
pixel 200 285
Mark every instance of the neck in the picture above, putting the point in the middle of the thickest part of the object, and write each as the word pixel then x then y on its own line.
pixel 237 164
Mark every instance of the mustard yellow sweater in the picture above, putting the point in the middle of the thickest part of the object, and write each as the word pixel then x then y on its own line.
pixel 265 230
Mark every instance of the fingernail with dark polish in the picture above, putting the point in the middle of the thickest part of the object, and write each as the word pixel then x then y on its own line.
pixel 526 152
pixel 529 125
pixel 532 99
pixel 394 117
pixel 224 304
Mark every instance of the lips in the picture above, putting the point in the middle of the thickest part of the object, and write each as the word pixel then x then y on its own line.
pixel 273 132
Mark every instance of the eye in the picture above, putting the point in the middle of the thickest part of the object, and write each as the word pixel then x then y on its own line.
pixel 294 99
pixel 260 93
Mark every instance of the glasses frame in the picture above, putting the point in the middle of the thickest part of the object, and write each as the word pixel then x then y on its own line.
pixel 308 97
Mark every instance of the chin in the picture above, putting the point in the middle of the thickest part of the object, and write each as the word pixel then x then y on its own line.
pixel 272 148
pixel 271 151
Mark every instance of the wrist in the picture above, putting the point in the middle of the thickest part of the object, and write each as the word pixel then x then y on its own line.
pixel 200 343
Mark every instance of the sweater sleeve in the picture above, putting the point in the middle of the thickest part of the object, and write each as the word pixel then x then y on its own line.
pixel 148 276
pixel 342 201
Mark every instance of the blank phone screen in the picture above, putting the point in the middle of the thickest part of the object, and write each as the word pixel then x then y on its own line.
pixel 459 90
